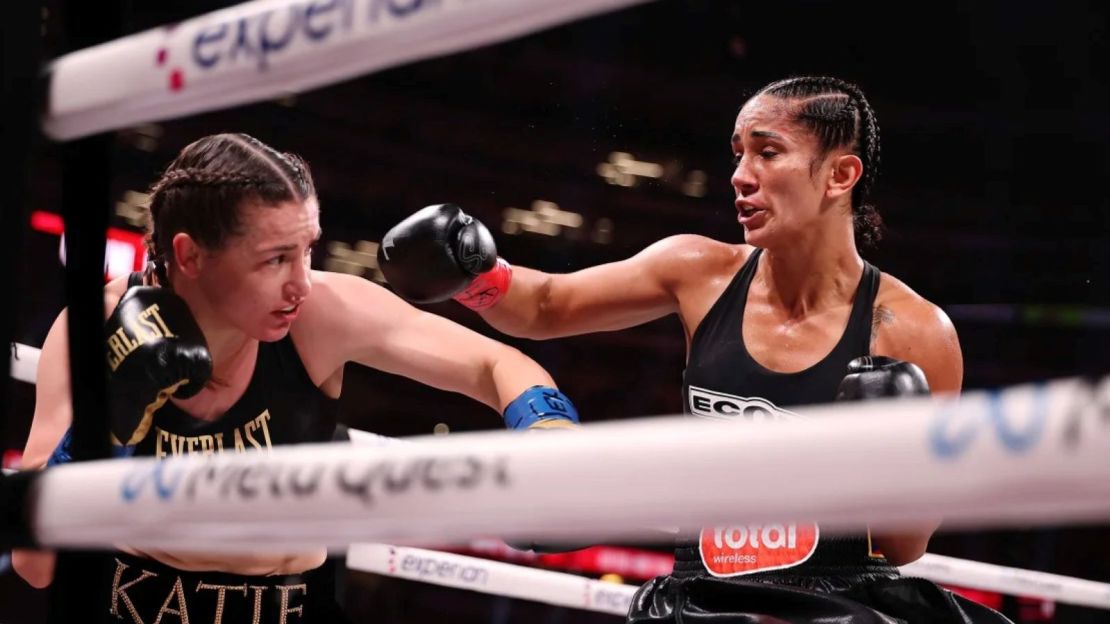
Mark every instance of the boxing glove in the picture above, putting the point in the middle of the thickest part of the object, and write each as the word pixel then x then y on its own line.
pixel 155 350
pixel 440 252
pixel 876 376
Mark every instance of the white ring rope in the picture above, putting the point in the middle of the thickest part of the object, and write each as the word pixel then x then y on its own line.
pixel 482 575
pixel 369 557
pixel 268 48
pixel 1013 581
pixel 569 590
pixel 491 577
pixel 24 363
pixel 1029 455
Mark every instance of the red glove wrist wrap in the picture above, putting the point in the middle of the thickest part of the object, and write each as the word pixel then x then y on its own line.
pixel 488 288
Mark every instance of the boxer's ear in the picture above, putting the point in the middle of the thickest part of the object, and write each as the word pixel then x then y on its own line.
pixel 188 256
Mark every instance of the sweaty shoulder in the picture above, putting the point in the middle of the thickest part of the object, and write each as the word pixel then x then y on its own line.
pixel 909 327
pixel 323 328
pixel 332 293
pixel 342 308
pixel 687 258
pixel 324 308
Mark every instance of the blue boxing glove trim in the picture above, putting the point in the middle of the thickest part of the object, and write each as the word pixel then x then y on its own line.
pixel 539 403
pixel 63 453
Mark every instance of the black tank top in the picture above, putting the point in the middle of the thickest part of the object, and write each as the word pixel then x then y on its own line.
pixel 723 381
pixel 281 405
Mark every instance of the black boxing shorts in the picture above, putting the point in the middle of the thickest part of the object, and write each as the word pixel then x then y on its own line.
pixel 857 597
pixel 144 591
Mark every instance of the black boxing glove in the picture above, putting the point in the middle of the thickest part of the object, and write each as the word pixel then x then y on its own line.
pixel 877 376
pixel 436 253
pixel 155 350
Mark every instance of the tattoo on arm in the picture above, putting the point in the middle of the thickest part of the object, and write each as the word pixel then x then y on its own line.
pixel 881 316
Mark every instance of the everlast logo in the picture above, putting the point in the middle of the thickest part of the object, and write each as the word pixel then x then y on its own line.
pixel 131 595
pixel 148 325
pixel 254 434
pixel 718 405
pixel 743 549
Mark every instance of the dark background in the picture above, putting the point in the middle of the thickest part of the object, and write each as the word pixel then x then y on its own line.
pixel 993 186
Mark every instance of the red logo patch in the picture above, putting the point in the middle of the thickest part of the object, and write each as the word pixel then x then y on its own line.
pixel 736 550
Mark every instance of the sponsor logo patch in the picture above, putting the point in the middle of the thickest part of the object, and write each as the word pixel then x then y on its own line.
pixel 718 405
pixel 745 549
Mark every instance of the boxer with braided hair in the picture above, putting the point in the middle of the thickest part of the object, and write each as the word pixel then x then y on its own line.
pixel 232 226
pixel 839 115
pixel 795 316
pixel 193 193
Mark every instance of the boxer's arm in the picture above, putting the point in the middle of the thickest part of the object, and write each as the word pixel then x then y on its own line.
pixel 912 329
pixel 362 322
pixel 53 409
pixel 606 297
pixel 53 413
pixel 53 405
pixel 52 417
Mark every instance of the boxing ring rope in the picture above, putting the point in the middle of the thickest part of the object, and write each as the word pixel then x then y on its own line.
pixel 24 363
pixel 494 484
pixel 268 48
pixel 568 590
pixel 491 577
pixel 1029 455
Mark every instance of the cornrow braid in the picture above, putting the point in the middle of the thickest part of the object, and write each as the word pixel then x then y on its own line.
pixel 839 115
pixel 199 177
pixel 179 179
pixel 203 190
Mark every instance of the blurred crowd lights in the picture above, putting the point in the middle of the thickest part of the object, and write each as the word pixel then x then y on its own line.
pixel 360 259
pixel 144 137
pixel 125 250
pixel 623 169
pixel 546 218
pixel 133 208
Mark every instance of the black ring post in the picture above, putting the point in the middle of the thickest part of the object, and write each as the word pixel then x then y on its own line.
pixel 20 57
pixel 81 581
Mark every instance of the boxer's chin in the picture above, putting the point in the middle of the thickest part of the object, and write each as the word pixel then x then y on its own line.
pixel 272 330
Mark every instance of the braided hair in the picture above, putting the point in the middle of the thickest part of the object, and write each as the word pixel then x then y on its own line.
pixel 202 191
pixel 839 115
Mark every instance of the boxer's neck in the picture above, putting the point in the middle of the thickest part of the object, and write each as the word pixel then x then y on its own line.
pixel 228 344
pixel 817 270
